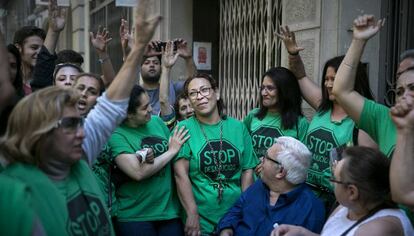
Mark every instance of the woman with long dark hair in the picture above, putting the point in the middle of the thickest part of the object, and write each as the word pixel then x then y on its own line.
pixel 280 111
pixel 331 126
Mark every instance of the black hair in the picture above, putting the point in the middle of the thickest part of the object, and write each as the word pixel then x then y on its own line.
pixel 134 101
pixel 18 81
pixel 182 95
pixel 361 83
pixel 69 56
pixel 27 31
pixel 96 76
pixel 214 86
pixel 368 169
pixel 289 97
pixel 157 56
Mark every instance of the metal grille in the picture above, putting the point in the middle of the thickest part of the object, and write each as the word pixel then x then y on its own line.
pixel 248 47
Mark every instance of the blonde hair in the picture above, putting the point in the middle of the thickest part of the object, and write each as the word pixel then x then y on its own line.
pixel 31 122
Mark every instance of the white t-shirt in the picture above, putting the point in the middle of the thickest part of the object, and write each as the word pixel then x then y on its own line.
pixel 339 222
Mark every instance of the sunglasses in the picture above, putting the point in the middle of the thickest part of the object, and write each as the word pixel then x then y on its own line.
pixel 70 124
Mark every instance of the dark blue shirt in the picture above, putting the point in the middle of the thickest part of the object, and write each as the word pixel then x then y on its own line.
pixel 252 214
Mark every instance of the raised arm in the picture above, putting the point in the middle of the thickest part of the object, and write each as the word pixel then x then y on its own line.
pixel 111 108
pixel 43 71
pixel 145 27
pixel 100 43
pixel 168 61
pixel 185 52
pixel 126 38
pixel 402 163
pixel 364 28
pixel 309 89
pixel 185 193
pixel 138 171
pixel 57 16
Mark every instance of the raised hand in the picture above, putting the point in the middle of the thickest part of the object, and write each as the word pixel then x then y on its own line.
pixel 168 56
pixel 101 39
pixel 403 114
pixel 57 16
pixel 182 49
pixel 127 41
pixel 144 26
pixel 289 40
pixel 366 26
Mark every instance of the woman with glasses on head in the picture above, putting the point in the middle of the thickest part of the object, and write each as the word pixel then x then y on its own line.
pixel 280 111
pixel 331 126
pixel 65 73
pixel 215 165
pixel 360 176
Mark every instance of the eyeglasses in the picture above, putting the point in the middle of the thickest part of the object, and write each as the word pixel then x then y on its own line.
pixel 267 88
pixel 70 124
pixel 203 92
pixel 270 159
pixel 333 180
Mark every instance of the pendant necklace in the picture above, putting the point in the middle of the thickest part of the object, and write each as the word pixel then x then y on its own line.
pixel 216 158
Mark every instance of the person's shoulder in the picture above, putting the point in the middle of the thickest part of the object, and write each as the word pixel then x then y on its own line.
pixel 385 225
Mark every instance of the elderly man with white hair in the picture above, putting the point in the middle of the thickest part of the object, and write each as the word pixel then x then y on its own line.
pixel 279 197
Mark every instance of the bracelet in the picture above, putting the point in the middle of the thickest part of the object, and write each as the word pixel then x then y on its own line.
pixel 293 54
pixel 103 60
pixel 350 66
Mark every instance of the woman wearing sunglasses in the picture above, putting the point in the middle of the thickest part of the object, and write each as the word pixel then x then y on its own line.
pixel 43 148
pixel 215 164
pixel 280 111
pixel 360 176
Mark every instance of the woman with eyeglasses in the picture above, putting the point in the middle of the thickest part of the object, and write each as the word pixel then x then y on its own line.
pixel 360 176
pixel 216 164
pixel 331 126
pixel 280 111
pixel 64 74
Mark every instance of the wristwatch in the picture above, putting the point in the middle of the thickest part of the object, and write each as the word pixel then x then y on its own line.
pixel 103 60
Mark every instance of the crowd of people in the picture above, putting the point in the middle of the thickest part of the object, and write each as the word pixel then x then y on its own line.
pixel 113 154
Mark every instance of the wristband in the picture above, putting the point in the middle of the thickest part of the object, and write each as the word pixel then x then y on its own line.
pixel 293 54
pixel 103 60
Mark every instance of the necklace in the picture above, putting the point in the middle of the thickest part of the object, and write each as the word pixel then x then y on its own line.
pixel 216 158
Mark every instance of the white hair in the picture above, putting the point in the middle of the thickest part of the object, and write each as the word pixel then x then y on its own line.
pixel 295 158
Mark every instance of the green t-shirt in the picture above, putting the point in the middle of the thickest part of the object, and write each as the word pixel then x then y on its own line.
pixel 324 135
pixel 237 155
pixel 154 198
pixel 376 121
pixel 73 206
pixel 15 208
pixel 264 132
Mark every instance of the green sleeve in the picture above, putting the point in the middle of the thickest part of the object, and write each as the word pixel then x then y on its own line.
pixel 375 119
pixel 16 214
pixel 249 160
pixel 302 129
pixel 163 125
pixel 247 121
pixel 120 145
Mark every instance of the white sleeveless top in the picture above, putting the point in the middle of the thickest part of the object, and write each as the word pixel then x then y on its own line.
pixel 339 222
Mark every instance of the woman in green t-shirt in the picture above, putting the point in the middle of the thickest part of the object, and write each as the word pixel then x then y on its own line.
pixel 147 202
pixel 216 163
pixel 331 126
pixel 280 111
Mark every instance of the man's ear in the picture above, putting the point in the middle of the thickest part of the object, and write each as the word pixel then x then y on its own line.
pixel 282 173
